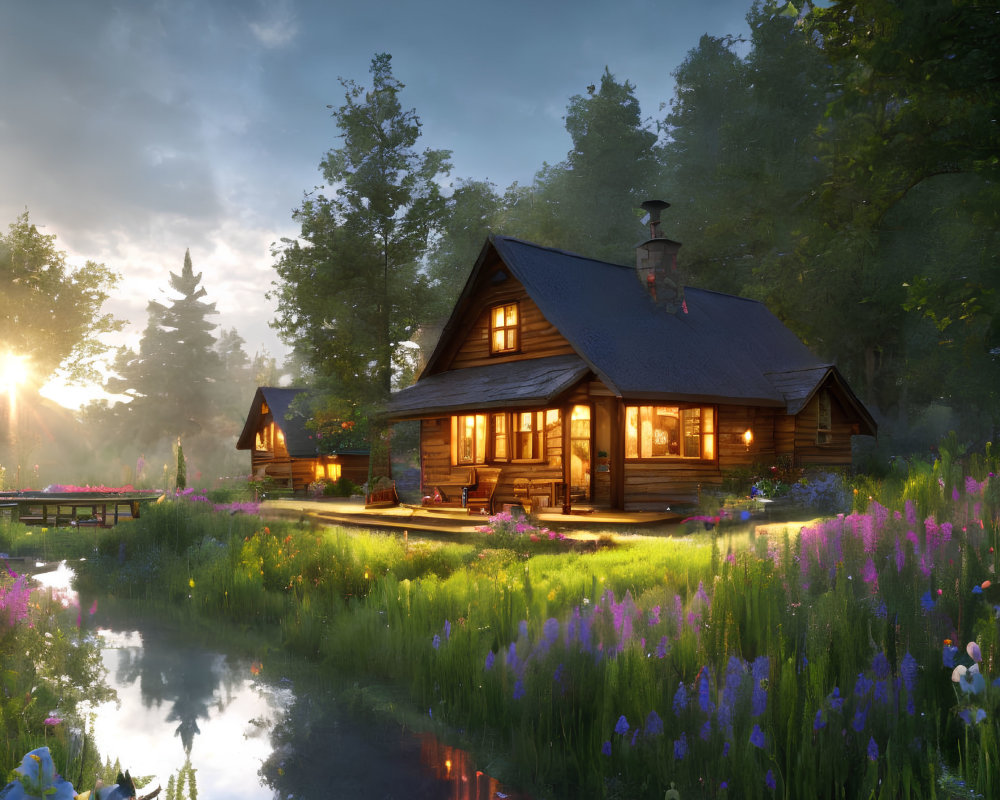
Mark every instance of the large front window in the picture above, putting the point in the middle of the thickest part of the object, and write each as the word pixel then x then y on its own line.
pixel 669 432
pixel 503 329
pixel 468 439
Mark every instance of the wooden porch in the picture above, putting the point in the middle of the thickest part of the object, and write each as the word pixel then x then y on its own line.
pixel 451 519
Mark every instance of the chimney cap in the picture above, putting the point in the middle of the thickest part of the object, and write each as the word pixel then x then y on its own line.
pixel 654 208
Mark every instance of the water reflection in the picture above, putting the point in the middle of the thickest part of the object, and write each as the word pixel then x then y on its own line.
pixel 247 736
pixel 187 710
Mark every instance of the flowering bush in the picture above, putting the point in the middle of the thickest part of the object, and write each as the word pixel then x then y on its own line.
pixel 513 530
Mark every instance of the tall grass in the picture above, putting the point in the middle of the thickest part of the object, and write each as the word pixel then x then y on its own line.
pixel 827 662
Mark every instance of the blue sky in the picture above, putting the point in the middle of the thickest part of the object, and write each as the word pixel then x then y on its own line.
pixel 133 129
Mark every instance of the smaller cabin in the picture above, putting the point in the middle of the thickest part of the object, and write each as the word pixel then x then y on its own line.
pixel 285 450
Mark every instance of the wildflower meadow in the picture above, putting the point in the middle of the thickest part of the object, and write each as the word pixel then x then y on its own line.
pixel 855 656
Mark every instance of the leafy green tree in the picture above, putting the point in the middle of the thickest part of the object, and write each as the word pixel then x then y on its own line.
pixel 50 313
pixel 589 202
pixel 474 209
pixel 351 287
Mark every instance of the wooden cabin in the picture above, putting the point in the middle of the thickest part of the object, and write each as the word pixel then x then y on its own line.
pixel 283 449
pixel 582 381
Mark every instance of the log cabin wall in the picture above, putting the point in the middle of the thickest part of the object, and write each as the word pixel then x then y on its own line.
pixel 538 337
pixel 654 486
pixel 808 451
pixel 437 469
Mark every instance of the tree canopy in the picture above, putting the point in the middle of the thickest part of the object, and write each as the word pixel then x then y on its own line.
pixel 50 313
pixel 352 286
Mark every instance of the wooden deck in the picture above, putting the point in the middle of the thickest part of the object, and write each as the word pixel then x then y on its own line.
pixel 102 509
pixel 458 520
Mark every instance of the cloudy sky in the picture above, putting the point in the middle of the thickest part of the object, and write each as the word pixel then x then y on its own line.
pixel 133 129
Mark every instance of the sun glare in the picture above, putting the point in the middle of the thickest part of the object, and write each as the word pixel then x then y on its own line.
pixel 13 371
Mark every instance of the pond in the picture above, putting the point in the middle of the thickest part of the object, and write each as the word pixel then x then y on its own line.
pixel 245 733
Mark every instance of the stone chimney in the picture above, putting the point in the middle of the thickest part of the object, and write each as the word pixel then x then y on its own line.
pixel 656 263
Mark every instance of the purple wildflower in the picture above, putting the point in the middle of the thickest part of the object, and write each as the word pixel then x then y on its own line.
pixel 860 719
pixel 818 721
pixel 927 602
pixel 606 748
pixel 654 725
pixel 706 730
pixel 705 691
pixel 680 698
pixel 872 749
pixel 757 737
pixel 881 693
pixel 635 735
pixel 900 556
pixel 880 666
pixel 835 700
pixel 447 630
pixel 519 690
pixel 948 655
pixel 769 781
pixel 862 686
pixel 680 747
pixel 490 657
pixel 654 616
pixel 621 727
pixel 661 648
pixel 436 641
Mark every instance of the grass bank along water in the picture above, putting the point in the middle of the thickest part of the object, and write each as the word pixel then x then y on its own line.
pixel 854 658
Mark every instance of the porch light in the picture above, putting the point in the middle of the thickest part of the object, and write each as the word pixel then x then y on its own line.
pixel 748 438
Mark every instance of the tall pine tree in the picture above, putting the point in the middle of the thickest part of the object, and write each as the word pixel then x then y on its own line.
pixel 170 380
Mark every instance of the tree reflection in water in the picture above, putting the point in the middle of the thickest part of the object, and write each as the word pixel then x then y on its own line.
pixel 187 678
pixel 319 747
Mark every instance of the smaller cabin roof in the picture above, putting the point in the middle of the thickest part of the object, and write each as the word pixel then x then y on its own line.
pixel 279 401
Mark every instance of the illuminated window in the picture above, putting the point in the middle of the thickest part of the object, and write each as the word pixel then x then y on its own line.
pixel 824 419
pixel 327 472
pixel 529 429
pixel 669 432
pixel 503 329
pixel 468 439
pixel 500 437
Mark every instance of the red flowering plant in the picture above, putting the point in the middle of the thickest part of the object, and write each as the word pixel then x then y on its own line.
pixel 337 433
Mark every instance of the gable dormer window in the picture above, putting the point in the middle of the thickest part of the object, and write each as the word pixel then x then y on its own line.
pixel 504 329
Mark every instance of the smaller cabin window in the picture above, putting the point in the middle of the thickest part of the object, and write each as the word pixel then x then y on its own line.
pixel 824 418
pixel 468 439
pixel 504 329
pixel 328 472
pixel 500 451
pixel 669 432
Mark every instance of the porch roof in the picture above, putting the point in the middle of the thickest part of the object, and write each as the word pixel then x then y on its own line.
pixel 533 382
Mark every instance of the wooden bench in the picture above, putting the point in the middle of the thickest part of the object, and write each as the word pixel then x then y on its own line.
pixel 382 495
pixel 480 496
pixel 469 487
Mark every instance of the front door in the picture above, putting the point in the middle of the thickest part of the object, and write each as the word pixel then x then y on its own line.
pixel 580 462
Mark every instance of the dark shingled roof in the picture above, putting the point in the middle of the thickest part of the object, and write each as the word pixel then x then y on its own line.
pixel 528 383
pixel 292 425
pixel 722 349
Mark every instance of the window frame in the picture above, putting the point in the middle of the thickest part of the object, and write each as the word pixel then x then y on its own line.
pixel 824 414
pixel 478 439
pixel 511 332
pixel 707 432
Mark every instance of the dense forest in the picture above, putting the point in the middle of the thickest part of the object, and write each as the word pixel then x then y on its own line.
pixel 840 164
